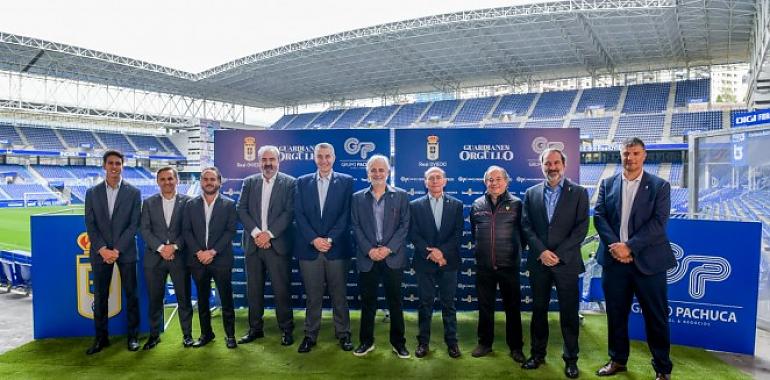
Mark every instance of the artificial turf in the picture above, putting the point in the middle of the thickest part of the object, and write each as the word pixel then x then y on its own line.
pixel 266 358
pixel 14 224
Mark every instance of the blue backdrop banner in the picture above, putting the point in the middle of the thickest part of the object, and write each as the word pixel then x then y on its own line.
pixel 63 287
pixel 713 289
pixel 465 154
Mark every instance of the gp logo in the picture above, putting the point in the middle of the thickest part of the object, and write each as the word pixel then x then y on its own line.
pixel 702 268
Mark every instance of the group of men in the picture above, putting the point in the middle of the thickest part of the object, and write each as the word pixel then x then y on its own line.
pixel 314 216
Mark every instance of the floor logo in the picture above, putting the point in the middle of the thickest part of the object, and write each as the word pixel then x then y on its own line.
pixel 704 269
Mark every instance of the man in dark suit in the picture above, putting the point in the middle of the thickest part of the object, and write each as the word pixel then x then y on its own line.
pixel 435 229
pixel 164 254
pixel 555 222
pixel 496 228
pixel 322 211
pixel 631 216
pixel 209 229
pixel 266 210
pixel 112 217
pixel 380 219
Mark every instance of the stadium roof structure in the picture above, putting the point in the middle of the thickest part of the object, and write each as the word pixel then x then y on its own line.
pixel 547 40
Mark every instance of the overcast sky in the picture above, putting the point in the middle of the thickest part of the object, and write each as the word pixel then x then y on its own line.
pixel 195 35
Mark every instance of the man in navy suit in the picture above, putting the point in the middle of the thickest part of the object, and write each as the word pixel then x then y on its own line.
pixel 112 218
pixel 380 219
pixel 555 222
pixel 266 210
pixel 322 211
pixel 435 229
pixel 164 254
pixel 209 228
pixel 631 216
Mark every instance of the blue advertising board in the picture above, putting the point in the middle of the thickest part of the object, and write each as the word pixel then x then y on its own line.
pixel 465 154
pixel 747 119
pixel 713 289
pixel 63 287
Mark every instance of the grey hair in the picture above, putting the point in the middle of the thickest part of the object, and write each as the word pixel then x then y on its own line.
pixel 434 169
pixel 495 167
pixel 324 145
pixel 377 157
pixel 265 148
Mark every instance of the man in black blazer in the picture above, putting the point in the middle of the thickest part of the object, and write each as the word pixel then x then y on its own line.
pixel 555 222
pixel 164 254
pixel 112 218
pixel 379 216
pixel 435 229
pixel 266 210
pixel 631 215
pixel 209 229
pixel 322 210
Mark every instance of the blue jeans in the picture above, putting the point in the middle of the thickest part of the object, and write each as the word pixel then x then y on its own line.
pixel 447 288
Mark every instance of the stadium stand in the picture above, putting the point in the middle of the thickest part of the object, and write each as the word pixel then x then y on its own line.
pixel 679 199
pixel 170 146
pixel 17 191
pixel 378 116
pixel 675 176
pixel 8 133
pixel 544 124
pixel 147 143
pixel 116 141
pixel 351 117
pixel 407 114
pixel 41 138
pixel 593 128
pixel 20 172
pixel 326 118
pixel 440 111
pixel 475 110
pixel 554 104
pixel 301 121
pixel 76 139
pixel 282 122
pixel 682 123
pixel 599 97
pixel 53 172
pixel 646 98
pixel 647 127
pixel 688 91
pixel 514 104
pixel 591 173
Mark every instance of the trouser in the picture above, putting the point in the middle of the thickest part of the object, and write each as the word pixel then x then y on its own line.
pixel 318 275
pixel 156 288
pixel 222 276
pixel 258 264
pixel 487 281
pixel 447 288
pixel 102 276
pixel 368 283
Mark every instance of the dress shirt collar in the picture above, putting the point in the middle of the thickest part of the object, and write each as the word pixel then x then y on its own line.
pixel 328 177
pixel 559 185
pixel 117 187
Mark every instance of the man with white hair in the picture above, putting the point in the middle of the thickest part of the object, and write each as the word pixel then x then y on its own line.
pixel 380 220
pixel 266 210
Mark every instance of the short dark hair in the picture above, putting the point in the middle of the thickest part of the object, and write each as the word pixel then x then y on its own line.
pixel 213 169
pixel 112 152
pixel 548 151
pixel 166 169
pixel 633 141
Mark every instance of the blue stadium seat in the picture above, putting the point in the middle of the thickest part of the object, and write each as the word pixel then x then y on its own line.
pixel 42 138
pixel 325 119
pixel 8 134
pixel 301 121
pixel 554 104
pixel 599 97
pixel 646 98
pixel 282 122
pixel 116 141
pixel 647 127
pixel 514 105
pixel 593 128
pixel 440 111
pixel 407 114
pixel 682 123
pixel 688 91
pixel 351 117
pixel 475 110
pixel 544 124
pixel 76 138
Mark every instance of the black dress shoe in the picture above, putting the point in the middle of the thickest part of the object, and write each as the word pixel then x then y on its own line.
pixel 518 356
pixel 662 376
pixel 454 351
pixel 187 341
pixel 571 370
pixel 401 352
pixel 151 342
pixel 133 344
pixel 287 339
pixel 99 344
pixel 203 340
pixel 533 363
pixel 421 351
pixel 480 351
pixel 346 344
pixel 230 342
pixel 306 345
pixel 611 368
pixel 363 349
pixel 251 336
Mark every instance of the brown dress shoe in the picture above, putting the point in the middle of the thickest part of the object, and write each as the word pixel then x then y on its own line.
pixel 611 368
pixel 663 376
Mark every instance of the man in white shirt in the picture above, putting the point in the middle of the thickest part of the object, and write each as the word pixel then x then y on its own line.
pixel 635 254
pixel 266 210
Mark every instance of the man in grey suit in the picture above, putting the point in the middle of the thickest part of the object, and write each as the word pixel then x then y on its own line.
pixel 266 210
pixel 209 229
pixel 322 210
pixel 555 222
pixel 380 221
pixel 164 254
pixel 112 218
pixel 435 229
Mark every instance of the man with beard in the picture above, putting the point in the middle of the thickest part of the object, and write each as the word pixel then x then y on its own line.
pixel 164 254
pixel 112 217
pixel 630 216
pixel 209 229
pixel 266 210
pixel 380 220
pixel 496 228
pixel 555 222
pixel 322 210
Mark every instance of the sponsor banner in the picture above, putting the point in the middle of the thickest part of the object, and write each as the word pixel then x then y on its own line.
pixel 745 119
pixel 465 154
pixel 63 283
pixel 713 289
